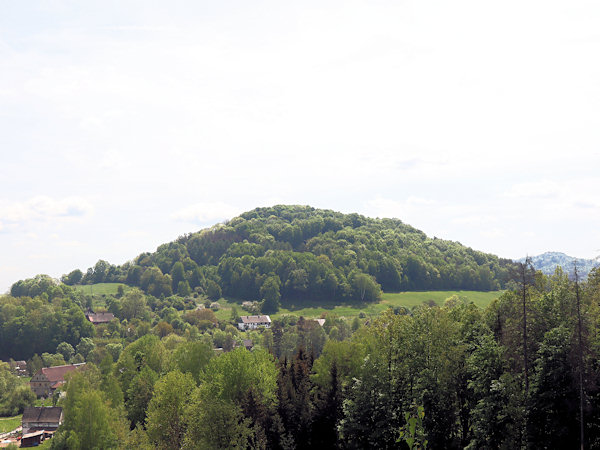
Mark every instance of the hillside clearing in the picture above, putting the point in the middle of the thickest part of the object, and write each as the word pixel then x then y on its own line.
pixel 101 288
pixel 406 299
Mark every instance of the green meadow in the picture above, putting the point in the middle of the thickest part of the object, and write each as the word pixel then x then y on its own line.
pixel 101 288
pixel 9 423
pixel 308 308
pixel 406 299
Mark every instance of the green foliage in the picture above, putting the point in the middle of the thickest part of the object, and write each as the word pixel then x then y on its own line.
pixel 412 432
pixel 133 305
pixel 15 395
pixel 231 375
pixel 40 284
pixel 139 394
pixel 271 295
pixel 66 350
pixel 166 411
pixel 346 356
pixel 192 358
pixel 85 346
pixel 29 326
pixel 89 421
pixel 216 423
pixel 72 278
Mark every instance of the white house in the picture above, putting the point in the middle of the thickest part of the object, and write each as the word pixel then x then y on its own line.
pixel 253 322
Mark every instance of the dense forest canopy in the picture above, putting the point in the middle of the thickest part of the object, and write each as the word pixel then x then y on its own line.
pixel 299 252
pixel 521 373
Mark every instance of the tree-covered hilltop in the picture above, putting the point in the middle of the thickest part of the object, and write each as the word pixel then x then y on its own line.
pixel 299 252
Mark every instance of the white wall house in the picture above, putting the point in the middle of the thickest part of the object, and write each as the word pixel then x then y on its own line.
pixel 253 322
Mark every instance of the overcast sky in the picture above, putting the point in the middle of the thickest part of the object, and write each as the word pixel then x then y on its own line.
pixel 126 124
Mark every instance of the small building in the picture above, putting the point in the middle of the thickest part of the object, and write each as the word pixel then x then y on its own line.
pixel 100 318
pixel 32 439
pixel 41 418
pixel 253 322
pixel 48 379
pixel 19 368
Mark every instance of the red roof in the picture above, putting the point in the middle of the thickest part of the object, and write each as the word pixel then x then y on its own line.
pixel 57 373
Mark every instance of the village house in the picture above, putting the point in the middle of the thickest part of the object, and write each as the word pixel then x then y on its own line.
pixel 48 379
pixel 40 423
pixel 41 418
pixel 100 318
pixel 253 322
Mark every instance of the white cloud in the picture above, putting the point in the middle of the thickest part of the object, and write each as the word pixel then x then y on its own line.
pixel 493 233
pixel 474 220
pixel 207 212
pixel 386 207
pixel 535 189
pixel 41 208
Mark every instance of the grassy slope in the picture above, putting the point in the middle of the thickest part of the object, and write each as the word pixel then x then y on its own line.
pixel 101 288
pixel 408 299
pixel 9 423
pixel 312 309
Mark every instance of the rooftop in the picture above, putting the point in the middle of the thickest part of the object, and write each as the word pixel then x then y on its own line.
pixel 256 319
pixel 102 317
pixel 48 414
pixel 57 373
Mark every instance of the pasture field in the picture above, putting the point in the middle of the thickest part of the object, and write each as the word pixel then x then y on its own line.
pixel 9 423
pixel 311 309
pixel 101 288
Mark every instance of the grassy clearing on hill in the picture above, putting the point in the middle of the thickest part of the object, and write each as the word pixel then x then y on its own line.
pixel 101 288
pixel 407 299
pixel 315 309
pixel 9 423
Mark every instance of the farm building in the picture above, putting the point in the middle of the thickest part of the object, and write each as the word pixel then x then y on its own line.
pixel 48 379
pixel 253 322
pixel 41 418
pixel 99 318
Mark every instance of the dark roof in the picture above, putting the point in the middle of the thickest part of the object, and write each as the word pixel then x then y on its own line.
pixel 57 373
pixel 102 317
pixel 47 414
pixel 255 319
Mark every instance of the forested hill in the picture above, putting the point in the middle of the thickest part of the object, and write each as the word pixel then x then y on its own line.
pixel 298 252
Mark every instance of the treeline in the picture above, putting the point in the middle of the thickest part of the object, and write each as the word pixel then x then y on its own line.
pixel 298 252
pixel 35 325
pixel 443 377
